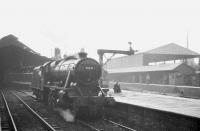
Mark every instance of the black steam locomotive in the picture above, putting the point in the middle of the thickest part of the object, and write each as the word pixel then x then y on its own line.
pixel 71 83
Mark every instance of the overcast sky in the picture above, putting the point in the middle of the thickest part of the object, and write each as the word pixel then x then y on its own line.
pixel 106 24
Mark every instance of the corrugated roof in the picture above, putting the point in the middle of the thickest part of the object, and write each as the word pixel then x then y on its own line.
pixel 172 49
pixel 162 67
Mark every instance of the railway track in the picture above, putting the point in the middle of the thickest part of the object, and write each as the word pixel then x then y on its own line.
pixel 21 117
pixel 25 118
pixel 47 119
pixel 6 118
pixel 105 125
pixel 97 125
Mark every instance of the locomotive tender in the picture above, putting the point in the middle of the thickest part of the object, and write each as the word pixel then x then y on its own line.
pixel 71 83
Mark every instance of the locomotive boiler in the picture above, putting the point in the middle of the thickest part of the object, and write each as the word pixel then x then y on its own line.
pixel 71 83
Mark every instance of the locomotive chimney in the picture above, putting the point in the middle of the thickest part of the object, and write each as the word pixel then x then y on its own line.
pixel 82 54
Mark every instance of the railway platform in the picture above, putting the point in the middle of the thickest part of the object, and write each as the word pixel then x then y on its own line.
pixel 174 104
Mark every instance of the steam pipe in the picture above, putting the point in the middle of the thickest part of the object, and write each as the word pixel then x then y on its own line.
pixel 67 79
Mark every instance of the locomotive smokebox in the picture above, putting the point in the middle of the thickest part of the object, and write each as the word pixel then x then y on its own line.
pixel 87 71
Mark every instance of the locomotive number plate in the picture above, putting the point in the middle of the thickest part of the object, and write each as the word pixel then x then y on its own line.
pixel 89 68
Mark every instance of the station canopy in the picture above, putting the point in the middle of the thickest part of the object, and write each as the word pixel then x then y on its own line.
pixel 169 52
pixel 14 55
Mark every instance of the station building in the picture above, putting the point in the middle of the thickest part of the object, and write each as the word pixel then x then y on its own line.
pixel 168 64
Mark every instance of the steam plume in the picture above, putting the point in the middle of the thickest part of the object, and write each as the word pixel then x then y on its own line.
pixel 66 114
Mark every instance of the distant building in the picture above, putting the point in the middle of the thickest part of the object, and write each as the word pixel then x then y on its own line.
pixel 163 65
pixel 57 54
pixel 172 74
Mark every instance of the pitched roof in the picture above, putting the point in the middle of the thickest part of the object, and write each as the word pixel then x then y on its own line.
pixel 14 54
pixel 172 49
pixel 11 40
pixel 162 67
pixel 166 52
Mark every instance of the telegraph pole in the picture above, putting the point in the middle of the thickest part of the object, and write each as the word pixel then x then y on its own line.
pixel 187 41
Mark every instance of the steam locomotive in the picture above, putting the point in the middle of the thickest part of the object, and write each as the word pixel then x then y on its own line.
pixel 71 83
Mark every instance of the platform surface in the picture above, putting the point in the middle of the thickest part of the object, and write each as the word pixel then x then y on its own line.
pixel 186 106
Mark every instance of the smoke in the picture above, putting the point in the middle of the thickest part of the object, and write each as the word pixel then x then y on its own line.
pixel 66 114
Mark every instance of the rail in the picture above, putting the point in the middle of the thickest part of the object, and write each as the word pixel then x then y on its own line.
pixel 9 113
pixel 88 125
pixel 46 124
pixel 120 125
pixel 109 121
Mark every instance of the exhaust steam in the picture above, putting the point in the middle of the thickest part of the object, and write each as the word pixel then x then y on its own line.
pixel 66 114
